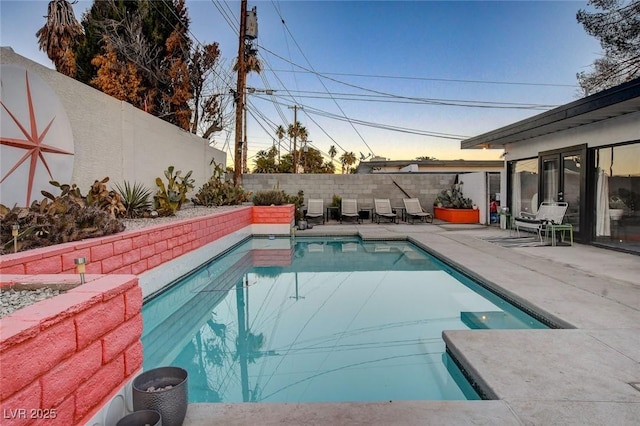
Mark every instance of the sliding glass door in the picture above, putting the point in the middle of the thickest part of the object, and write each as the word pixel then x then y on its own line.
pixel 562 178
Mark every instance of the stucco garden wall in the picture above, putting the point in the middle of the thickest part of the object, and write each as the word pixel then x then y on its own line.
pixel 113 138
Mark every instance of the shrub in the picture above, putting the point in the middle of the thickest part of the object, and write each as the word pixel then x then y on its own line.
pixel 219 192
pixel 271 197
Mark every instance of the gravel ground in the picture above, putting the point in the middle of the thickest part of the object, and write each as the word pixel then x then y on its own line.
pixel 12 300
pixel 186 212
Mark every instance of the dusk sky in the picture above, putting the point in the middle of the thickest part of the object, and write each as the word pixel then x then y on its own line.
pixel 359 69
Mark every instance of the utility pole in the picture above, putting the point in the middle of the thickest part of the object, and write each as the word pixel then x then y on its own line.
pixel 240 88
pixel 295 136
pixel 244 132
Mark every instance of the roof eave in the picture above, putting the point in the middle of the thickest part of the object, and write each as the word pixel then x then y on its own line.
pixel 616 101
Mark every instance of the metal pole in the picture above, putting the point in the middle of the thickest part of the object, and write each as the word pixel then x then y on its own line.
pixel 245 146
pixel 295 138
pixel 240 87
pixel 296 159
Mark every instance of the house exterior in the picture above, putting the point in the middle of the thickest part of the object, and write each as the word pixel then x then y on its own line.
pixel 482 178
pixel 586 153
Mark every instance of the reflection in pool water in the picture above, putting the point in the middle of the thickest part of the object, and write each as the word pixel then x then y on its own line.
pixel 320 321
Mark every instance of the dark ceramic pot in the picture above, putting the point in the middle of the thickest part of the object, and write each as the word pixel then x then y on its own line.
pixel 141 418
pixel 172 402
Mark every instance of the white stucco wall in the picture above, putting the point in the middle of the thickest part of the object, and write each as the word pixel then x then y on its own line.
pixel 475 187
pixel 614 130
pixel 113 138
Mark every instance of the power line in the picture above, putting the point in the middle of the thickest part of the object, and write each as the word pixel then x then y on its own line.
pixel 429 101
pixel 386 94
pixel 452 80
pixel 379 125
pixel 321 82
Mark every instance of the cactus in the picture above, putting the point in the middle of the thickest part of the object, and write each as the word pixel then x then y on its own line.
pixel 105 199
pixel 55 220
pixel 168 199
pixel 453 198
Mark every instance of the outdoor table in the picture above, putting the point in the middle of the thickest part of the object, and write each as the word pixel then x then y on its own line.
pixel 366 209
pixel 555 227
pixel 402 211
pixel 331 209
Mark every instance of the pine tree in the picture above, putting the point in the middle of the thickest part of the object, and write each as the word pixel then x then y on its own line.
pixel 617 27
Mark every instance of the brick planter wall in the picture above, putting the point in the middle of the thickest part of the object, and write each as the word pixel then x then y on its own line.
pixel 64 357
pixel 135 252
pixel 67 356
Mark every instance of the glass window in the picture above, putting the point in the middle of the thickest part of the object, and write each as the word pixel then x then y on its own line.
pixel 617 196
pixel 524 186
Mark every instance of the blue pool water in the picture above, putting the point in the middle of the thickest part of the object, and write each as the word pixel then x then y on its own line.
pixel 320 321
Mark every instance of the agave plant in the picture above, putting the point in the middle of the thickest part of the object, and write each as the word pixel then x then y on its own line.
pixel 135 198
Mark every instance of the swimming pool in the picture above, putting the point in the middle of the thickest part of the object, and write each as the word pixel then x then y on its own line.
pixel 315 320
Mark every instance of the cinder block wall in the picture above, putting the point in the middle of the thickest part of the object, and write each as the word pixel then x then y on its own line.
pixel 363 187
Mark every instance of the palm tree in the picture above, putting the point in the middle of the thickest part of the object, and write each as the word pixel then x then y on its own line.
pixel 332 152
pixel 296 131
pixel 59 34
pixel 280 133
pixel 347 160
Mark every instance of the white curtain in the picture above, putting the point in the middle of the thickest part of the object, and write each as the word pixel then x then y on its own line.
pixel 517 194
pixel 603 225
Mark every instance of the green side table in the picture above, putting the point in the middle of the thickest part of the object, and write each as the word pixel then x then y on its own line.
pixel 562 227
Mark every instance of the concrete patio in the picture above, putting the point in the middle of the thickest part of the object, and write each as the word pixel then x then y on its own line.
pixel 586 373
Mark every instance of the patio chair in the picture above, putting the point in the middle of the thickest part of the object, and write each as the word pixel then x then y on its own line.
pixel 383 210
pixel 349 209
pixel 414 210
pixel 315 210
pixel 548 213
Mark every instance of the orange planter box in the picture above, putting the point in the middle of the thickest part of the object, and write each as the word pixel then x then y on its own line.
pixel 457 215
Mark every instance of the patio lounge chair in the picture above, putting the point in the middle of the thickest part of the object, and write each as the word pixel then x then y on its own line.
pixel 548 213
pixel 349 209
pixel 414 210
pixel 315 210
pixel 383 210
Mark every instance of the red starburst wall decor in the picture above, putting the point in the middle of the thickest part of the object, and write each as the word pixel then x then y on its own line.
pixel 36 140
